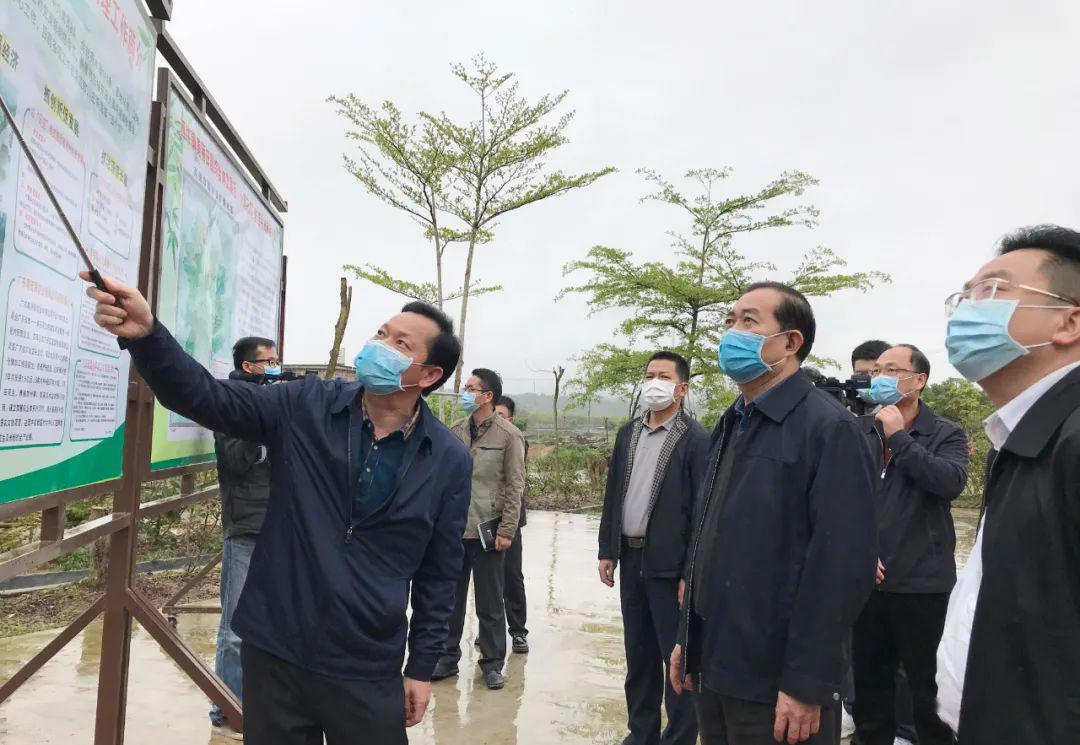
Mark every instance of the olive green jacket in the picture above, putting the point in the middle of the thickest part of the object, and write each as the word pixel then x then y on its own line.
pixel 498 477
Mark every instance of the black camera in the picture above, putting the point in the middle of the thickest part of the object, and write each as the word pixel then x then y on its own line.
pixel 261 379
pixel 846 391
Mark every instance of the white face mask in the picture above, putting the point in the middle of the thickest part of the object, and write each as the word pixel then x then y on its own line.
pixel 658 394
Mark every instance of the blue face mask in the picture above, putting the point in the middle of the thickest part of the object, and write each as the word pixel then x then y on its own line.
pixel 467 401
pixel 273 372
pixel 885 390
pixel 978 338
pixel 379 368
pixel 740 355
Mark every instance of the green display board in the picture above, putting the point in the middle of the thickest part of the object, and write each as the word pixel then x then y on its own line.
pixel 221 267
pixel 78 74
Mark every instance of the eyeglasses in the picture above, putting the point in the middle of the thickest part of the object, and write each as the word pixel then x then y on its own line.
pixel 470 389
pixel 269 362
pixel 988 289
pixel 890 372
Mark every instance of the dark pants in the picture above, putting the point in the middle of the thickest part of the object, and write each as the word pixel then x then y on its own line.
pixel 893 629
pixel 235 559
pixel 731 721
pixel 650 611
pixel 514 589
pixel 287 705
pixel 905 717
pixel 486 570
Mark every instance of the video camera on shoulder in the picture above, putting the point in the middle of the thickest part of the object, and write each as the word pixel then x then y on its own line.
pixel 261 379
pixel 846 391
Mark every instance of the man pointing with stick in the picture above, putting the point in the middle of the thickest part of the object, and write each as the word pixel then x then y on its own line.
pixel 368 499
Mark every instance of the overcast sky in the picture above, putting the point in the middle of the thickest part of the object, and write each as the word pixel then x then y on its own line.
pixel 934 127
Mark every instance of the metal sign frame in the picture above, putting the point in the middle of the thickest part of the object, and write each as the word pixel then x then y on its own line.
pixel 122 602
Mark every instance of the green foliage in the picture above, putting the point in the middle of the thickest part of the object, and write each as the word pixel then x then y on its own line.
pixel 469 173
pixel 967 405
pixel 688 299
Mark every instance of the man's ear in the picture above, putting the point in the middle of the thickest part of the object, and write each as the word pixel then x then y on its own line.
pixel 1068 332
pixel 795 341
pixel 431 376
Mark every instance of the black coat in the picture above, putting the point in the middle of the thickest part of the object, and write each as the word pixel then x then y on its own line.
pixel 1022 685
pixel 668 529
pixel 795 550
pixel 927 471
pixel 244 475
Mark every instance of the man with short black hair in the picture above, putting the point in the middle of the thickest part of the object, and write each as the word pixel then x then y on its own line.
pixel 498 482
pixel 783 554
pixel 368 498
pixel 864 356
pixel 1009 662
pixel 659 458
pixel 244 478
pixel 514 577
pixel 923 460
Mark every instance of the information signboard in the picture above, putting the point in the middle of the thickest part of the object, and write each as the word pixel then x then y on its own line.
pixel 220 266
pixel 78 75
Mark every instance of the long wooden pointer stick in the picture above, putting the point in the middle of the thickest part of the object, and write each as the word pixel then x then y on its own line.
pixel 95 276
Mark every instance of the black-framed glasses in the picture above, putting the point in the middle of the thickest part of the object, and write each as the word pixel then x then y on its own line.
pixel 269 361
pixel 474 391
pixel 891 372
pixel 988 289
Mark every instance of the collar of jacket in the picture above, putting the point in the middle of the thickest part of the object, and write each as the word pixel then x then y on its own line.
pixel 777 402
pixel 351 394
pixel 1045 417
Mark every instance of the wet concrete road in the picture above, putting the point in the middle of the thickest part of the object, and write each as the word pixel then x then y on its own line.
pixel 568 690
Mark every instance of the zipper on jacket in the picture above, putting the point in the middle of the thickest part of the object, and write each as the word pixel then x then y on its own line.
pixel 350 484
pixel 687 595
pixel 885 464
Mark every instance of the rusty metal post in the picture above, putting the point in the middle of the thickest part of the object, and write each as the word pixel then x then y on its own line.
pixel 116 629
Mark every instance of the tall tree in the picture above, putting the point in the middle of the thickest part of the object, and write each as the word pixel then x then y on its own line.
pixel 682 305
pixel 499 160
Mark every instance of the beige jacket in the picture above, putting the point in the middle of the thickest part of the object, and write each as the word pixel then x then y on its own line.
pixel 498 478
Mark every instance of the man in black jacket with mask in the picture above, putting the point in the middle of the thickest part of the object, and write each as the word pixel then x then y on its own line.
pixel 1009 660
pixel 923 461
pixel 783 553
pixel 244 476
pixel 658 460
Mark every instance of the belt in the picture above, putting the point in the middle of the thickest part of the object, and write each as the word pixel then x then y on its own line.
pixel 634 542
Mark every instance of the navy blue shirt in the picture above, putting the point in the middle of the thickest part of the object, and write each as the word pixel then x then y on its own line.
pixel 380 468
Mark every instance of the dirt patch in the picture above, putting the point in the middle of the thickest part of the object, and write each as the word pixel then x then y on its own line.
pixel 55 608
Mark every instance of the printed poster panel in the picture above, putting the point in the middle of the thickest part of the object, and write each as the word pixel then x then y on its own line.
pixel 78 75
pixel 221 268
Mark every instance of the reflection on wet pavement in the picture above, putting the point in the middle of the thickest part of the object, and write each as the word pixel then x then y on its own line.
pixel 568 690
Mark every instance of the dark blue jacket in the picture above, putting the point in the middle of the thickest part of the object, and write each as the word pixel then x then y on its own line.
pixel 323 593
pixel 795 551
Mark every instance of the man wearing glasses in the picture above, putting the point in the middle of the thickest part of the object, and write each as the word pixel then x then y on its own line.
pixel 498 483
pixel 923 462
pixel 1009 660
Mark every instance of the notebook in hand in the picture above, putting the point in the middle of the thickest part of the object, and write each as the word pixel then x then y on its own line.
pixel 487 533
